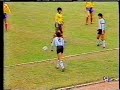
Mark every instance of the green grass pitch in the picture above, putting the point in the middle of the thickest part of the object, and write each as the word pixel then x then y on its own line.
pixel 32 27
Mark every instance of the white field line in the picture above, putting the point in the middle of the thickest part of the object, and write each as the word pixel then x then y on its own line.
pixel 65 57
pixel 82 85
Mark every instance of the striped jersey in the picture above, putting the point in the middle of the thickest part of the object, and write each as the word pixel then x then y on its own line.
pixel 102 24
pixel 58 41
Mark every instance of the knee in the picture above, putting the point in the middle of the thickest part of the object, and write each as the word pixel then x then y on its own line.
pixel 102 39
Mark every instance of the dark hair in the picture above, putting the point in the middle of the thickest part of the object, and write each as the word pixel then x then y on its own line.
pixel 58 34
pixel 100 14
pixel 59 8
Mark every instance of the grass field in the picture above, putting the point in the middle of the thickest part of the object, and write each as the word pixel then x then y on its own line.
pixel 32 27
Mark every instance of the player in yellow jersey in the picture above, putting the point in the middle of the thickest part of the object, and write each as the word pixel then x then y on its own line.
pixel 5 15
pixel 89 10
pixel 59 20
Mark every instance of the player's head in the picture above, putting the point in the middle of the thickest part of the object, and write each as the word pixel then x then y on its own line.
pixel 100 15
pixel 58 34
pixel 59 9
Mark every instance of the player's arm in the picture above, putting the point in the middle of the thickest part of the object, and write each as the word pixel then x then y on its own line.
pixel 52 44
pixel 63 41
pixel 103 27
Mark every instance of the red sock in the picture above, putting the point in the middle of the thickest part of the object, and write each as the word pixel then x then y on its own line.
pixel 6 26
pixel 91 19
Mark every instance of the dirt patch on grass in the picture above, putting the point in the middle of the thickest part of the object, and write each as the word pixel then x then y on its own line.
pixel 101 86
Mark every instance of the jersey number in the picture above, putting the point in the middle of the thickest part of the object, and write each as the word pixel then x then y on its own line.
pixel 59 40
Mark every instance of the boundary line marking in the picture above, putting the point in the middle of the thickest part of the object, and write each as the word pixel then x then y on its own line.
pixel 82 85
pixel 65 57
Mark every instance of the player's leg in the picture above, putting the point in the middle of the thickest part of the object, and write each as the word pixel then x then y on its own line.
pixel 61 58
pixel 61 62
pixel 60 29
pixel 5 21
pixel 103 40
pixel 58 58
pixel 58 61
pixel 87 17
pixel 91 15
pixel 99 42
pixel 91 18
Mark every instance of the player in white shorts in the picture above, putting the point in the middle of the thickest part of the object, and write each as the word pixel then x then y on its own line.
pixel 58 41
pixel 101 31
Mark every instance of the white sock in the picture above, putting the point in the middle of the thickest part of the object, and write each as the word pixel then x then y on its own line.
pixel 103 43
pixel 98 42
pixel 61 64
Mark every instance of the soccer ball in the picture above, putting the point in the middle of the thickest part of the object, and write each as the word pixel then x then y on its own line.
pixel 45 48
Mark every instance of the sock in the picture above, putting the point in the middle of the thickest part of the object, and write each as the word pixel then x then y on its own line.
pixel 99 41
pixel 6 26
pixel 61 64
pixel 103 43
pixel 91 20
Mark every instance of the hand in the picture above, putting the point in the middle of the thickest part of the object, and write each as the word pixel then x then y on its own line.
pixel 56 24
pixel 52 50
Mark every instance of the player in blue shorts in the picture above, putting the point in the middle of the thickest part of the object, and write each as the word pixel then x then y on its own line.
pixel 6 12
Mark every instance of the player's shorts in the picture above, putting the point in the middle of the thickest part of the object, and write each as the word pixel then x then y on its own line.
pixel 4 15
pixel 90 10
pixel 59 27
pixel 99 31
pixel 60 49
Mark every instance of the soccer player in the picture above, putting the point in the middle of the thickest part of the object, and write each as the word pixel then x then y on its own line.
pixel 89 11
pixel 58 41
pixel 101 31
pixel 5 15
pixel 59 20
